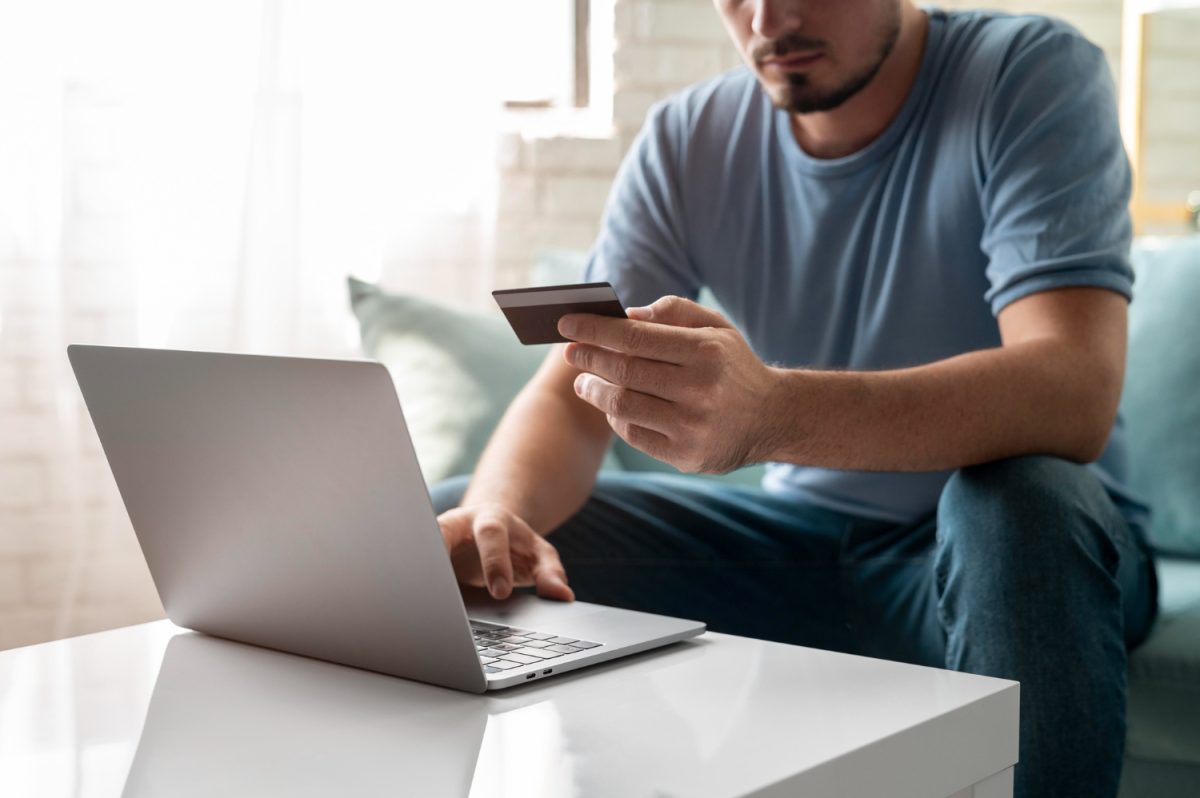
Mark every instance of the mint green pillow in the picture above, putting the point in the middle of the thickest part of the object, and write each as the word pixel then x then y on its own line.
pixel 455 371
pixel 1161 403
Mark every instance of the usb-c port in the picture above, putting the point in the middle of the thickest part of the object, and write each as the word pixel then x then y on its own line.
pixel 530 676
pixel 548 670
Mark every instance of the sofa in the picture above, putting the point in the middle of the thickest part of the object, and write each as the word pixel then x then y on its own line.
pixel 456 370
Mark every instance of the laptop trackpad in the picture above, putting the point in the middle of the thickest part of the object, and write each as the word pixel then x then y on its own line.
pixel 524 610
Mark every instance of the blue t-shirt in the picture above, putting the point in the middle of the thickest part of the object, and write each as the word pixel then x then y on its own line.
pixel 1002 175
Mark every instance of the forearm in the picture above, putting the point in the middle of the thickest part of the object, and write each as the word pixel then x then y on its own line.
pixel 1032 397
pixel 542 460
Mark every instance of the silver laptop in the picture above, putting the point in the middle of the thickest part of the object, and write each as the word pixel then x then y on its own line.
pixel 278 501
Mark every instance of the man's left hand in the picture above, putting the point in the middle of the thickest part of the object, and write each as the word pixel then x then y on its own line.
pixel 677 381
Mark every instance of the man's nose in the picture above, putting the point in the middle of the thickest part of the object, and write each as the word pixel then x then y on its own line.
pixel 775 18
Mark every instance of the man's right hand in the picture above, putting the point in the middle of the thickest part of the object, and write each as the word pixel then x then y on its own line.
pixel 493 548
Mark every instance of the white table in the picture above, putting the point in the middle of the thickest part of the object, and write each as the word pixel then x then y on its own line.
pixel 156 710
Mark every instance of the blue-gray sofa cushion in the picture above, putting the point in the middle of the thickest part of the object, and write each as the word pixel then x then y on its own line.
pixel 1161 404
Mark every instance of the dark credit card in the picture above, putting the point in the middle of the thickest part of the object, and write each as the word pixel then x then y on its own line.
pixel 534 312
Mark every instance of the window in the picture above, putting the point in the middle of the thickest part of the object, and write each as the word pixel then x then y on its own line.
pixel 547 54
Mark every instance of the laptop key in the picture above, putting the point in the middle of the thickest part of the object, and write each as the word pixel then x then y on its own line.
pixel 505 646
pixel 537 643
pixel 584 644
pixel 539 636
pixel 539 653
pixel 516 641
pixel 521 658
pixel 503 665
pixel 492 652
pixel 490 669
pixel 488 660
pixel 563 649
pixel 487 626
pixel 562 640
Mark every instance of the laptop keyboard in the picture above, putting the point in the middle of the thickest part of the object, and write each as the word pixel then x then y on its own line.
pixel 503 648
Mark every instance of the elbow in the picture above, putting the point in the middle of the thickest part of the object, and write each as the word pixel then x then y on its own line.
pixel 1078 442
pixel 1092 425
pixel 1089 447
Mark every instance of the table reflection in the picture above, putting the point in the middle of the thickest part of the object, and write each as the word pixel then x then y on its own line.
pixel 232 719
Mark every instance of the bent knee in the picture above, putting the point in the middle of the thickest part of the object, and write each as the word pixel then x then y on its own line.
pixel 1020 504
pixel 1017 482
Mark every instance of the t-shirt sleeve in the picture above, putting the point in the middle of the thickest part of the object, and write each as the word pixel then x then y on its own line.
pixel 1056 181
pixel 642 247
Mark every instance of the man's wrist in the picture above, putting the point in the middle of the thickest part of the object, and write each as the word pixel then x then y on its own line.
pixel 778 426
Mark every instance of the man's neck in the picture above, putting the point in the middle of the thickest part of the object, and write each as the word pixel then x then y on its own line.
pixel 857 122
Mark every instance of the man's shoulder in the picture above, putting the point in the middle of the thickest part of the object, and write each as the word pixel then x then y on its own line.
pixel 995 41
pixel 706 111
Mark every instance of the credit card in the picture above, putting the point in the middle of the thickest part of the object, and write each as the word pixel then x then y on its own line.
pixel 534 312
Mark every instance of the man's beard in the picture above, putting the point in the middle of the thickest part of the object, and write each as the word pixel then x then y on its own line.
pixel 801 97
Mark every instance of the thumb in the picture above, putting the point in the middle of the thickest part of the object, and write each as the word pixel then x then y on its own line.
pixel 678 312
pixel 548 574
pixel 456 526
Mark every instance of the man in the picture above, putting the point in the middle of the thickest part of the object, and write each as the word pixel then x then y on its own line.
pixel 917 223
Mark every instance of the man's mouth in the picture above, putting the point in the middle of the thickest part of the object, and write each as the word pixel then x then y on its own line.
pixel 798 61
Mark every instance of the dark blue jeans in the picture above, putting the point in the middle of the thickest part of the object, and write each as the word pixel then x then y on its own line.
pixel 1027 571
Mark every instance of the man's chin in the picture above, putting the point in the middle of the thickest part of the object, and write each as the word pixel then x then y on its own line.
pixel 807 100
pixel 799 95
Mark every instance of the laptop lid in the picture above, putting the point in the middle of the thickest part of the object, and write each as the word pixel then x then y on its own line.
pixel 278 501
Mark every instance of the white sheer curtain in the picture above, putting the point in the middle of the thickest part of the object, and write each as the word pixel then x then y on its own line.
pixel 204 175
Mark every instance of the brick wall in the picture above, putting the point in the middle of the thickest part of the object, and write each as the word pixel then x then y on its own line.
pixel 552 188
pixel 68 560
pixel 1172 116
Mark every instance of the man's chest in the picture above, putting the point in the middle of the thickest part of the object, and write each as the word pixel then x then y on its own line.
pixel 878 268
